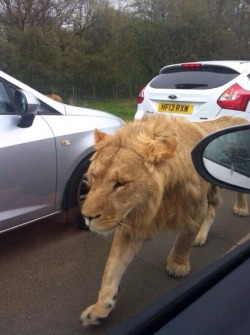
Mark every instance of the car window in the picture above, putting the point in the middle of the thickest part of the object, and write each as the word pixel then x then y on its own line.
pixel 43 108
pixel 200 77
pixel 5 104
pixel 231 151
pixel 46 110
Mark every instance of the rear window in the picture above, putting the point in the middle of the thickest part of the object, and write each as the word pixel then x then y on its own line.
pixel 197 78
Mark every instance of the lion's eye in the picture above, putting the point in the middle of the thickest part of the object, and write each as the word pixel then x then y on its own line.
pixel 86 183
pixel 89 178
pixel 120 183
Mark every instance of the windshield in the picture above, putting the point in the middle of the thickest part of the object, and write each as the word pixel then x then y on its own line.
pixel 200 77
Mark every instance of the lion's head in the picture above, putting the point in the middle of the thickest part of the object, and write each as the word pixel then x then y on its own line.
pixel 125 176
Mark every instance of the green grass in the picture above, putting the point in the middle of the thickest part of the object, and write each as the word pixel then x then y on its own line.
pixel 124 108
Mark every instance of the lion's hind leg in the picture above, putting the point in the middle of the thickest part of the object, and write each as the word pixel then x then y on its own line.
pixel 213 202
pixel 241 205
pixel 205 227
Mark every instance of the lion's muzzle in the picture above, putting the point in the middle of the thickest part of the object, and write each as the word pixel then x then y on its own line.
pixel 89 218
pixel 100 225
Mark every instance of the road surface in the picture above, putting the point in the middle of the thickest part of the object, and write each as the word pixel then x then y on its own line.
pixel 50 272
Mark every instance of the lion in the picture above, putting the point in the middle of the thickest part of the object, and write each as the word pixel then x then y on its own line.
pixel 142 180
pixel 55 97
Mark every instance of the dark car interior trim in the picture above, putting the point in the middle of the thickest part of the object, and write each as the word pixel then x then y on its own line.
pixel 154 317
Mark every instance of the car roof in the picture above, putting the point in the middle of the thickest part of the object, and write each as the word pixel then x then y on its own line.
pixel 237 65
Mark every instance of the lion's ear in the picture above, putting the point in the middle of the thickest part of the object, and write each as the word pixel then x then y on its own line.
pixel 156 150
pixel 100 137
pixel 161 149
pixel 163 140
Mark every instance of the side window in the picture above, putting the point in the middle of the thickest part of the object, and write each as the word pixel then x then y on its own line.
pixel 5 103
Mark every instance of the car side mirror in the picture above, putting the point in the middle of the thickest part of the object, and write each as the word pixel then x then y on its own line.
pixel 27 106
pixel 223 158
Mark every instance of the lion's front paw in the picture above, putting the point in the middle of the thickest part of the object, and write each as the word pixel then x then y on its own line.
pixel 200 240
pixel 239 211
pixel 178 270
pixel 94 314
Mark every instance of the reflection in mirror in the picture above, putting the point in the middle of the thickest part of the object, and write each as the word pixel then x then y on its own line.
pixel 20 102
pixel 228 158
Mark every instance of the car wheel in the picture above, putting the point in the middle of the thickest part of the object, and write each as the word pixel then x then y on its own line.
pixel 76 193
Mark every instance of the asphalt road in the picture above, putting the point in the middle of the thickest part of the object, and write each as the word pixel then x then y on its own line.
pixel 50 272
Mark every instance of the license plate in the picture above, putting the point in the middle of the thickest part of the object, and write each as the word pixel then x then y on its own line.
pixel 175 108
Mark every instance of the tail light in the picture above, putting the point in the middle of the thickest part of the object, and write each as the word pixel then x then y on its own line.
pixel 191 66
pixel 234 97
pixel 140 97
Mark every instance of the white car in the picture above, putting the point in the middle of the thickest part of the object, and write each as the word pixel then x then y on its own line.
pixel 45 147
pixel 198 90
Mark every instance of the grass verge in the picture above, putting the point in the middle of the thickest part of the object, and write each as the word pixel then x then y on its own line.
pixel 124 108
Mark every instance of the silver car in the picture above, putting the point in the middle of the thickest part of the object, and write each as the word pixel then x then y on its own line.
pixel 45 148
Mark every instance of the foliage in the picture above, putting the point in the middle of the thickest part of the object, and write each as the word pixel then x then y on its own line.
pixel 124 108
pixel 108 49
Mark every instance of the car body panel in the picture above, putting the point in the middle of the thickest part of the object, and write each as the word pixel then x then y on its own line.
pixel 28 171
pixel 74 140
pixel 202 104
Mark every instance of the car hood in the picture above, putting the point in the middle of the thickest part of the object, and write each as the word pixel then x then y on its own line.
pixel 81 111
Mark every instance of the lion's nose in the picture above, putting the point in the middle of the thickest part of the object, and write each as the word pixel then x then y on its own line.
pixel 88 218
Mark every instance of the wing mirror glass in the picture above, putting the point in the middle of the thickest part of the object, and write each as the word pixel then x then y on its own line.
pixel 223 158
pixel 27 106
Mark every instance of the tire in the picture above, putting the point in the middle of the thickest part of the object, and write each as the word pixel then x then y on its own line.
pixel 76 193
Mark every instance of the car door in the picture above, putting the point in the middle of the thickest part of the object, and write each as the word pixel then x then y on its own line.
pixel 27 166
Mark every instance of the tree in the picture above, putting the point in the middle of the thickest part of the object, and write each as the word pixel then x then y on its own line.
pixel 95 48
